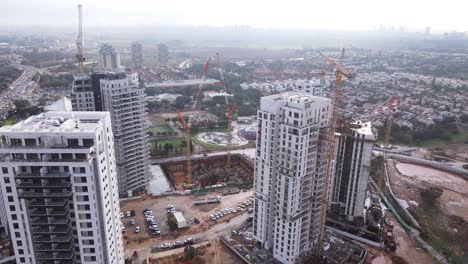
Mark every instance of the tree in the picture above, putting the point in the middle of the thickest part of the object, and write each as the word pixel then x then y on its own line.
pixel 172 222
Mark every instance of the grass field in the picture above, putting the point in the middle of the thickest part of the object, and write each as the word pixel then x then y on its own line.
pixel 161 129
pixel 157 119
pixel 9 122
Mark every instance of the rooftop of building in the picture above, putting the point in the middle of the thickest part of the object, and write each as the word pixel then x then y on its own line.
pixel 172 83
pixel 60 121
pixel 362 128
pixel 63 104
pixel 297 97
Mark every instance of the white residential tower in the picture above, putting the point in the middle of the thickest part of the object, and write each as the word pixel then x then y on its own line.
pixel 290 167
pixel 59 188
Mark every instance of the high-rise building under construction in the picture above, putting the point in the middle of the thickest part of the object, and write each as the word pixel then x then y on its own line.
pixel 290 167
pixel 353 153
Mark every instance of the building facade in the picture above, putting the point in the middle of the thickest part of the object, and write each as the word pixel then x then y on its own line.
pixel 59 187
pixel 109 58
pixel 137 55
pixel 290 167
pixel 125 101
pixel 120 94
pixel 353 153
pixel 163 55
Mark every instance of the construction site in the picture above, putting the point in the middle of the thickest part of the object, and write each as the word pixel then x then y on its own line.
pixel 211 172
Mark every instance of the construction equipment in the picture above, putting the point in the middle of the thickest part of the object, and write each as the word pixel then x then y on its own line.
pixel 340 72
pixel 79 41
pixel 230 109
pixel 187 127
pixel 392 104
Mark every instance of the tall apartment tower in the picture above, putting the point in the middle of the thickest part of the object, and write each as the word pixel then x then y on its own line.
pixel 290 167
pixel 137 55
pixel 109 58
pixel 353 153
pixel 59 188
pixel 163 55
pixel 125 101
pixel 120 94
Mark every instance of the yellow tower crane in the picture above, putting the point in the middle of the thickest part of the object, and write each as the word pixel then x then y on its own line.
pixel 230 109
pixel 187 127
pixel 340 72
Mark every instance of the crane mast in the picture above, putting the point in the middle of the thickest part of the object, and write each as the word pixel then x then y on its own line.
pixel 336 98
pixel 187 127
pixel 79 41
pixel 230 109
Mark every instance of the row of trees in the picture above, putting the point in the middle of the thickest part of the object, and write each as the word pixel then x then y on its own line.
pixel 444 130
pixel 168 148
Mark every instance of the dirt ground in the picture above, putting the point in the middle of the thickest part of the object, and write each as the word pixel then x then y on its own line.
pixel 206 230
pixel 447 221
pixel 217 253
pixel 409 179
pixel 407 250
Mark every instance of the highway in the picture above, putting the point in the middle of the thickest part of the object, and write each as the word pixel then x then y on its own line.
pixel 21 88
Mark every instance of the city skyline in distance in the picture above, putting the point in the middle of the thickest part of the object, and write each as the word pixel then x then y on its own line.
pixel 297 14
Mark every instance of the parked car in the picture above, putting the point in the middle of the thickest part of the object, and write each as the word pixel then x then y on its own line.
pixel 177 244
pixel 128 214
pixel 250 210
pixel 132 213
pixel 121 214
pixel 132 222
pixel 164 246
pixel 188 241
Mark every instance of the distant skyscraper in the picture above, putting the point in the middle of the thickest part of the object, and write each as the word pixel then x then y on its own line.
pixel 353 153
pixel 109 59
pixel 120 94
pixel 428 30
pixel 290 166
pixel 59 188
pixel 163 55
pixel 137 55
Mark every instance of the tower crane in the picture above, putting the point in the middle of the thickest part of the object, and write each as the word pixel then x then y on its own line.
pixel 392 104
pixel 79 42
pixel 187 127
pixel 340 72
pixel 230 109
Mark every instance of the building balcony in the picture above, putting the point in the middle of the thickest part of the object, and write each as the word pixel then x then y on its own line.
pixel 55 256
pixel 40 205
pixel 39 175
pixel 49 240
pixel 53 222
pixel 52 185
pixel 51 231
pixel 43 212
pixel 54 248
pixel 29 194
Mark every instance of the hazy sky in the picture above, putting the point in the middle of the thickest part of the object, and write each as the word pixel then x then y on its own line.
pixel 323 14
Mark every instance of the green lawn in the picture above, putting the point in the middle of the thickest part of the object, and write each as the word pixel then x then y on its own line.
pixel 157 119
pixel 9 122
pixel 161 130
pixel 176 142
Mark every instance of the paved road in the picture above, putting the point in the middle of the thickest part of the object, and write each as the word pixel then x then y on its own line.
pixel 21 88
pixel 214 232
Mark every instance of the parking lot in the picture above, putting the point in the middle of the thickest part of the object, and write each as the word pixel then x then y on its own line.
pixel 203 231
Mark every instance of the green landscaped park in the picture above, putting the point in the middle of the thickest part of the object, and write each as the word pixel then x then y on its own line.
pixel 161 130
